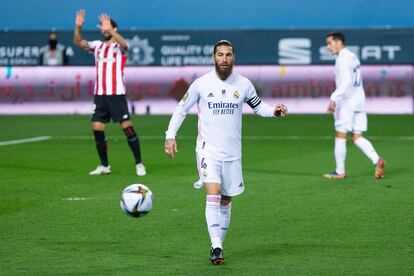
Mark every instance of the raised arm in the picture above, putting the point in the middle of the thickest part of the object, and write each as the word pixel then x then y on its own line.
pixel 77 36
pixel 107 27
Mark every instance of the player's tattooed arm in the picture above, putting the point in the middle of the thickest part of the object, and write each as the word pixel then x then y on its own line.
pixel 77 35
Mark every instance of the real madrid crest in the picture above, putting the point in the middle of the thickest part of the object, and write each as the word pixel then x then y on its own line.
pixel 236 95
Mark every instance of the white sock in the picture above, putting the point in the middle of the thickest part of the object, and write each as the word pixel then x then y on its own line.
pixel 367 148
pixel 213 219
pixel 225 220
pixel 340 154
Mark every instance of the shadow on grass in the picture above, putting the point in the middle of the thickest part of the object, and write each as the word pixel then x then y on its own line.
pixel 34 168
pixel 271 250
pixel 279 172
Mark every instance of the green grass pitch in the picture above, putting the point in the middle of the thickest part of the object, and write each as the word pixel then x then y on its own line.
pixel 55 219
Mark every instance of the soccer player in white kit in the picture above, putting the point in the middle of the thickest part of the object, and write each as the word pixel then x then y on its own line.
pixel 347 103
pixel 219 96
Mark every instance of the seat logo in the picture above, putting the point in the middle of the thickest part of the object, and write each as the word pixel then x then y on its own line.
pixel 295 51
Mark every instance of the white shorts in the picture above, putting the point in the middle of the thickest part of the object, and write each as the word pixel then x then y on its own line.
pixel 348 120
pixel 226 173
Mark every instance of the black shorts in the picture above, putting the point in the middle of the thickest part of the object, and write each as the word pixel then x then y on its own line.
pixel 113 107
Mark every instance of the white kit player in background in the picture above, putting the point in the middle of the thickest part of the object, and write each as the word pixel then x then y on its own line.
pixel 348 105
pixel 219 96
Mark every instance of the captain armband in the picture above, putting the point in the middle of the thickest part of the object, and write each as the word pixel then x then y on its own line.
pixel 254 102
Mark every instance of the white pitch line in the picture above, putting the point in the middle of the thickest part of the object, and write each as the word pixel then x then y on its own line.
pixel 26 140
pixel 263 138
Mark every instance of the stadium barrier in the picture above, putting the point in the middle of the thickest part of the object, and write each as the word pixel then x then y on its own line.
pixel 156 90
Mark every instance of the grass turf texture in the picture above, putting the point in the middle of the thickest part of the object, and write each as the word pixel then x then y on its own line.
pixel 289 221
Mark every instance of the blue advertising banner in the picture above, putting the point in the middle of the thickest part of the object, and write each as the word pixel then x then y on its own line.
pixel 252 47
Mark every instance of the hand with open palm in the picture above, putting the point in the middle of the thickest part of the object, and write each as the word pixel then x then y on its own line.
pixel 105 25
pixel 80 18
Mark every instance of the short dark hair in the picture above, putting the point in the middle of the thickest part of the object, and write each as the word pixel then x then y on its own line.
pixel 222 42
pixel 337 36
pixel 113 23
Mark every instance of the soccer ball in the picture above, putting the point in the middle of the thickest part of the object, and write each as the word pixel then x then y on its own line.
pixel 136 200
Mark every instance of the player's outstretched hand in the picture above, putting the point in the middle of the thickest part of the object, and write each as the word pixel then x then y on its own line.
pixel 281 110
pixel 105 23
pixel 80 18
pixel 170 147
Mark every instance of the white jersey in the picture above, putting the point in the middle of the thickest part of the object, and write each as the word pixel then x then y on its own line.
pixel 220 106
pixel 349 87
pixel 110 62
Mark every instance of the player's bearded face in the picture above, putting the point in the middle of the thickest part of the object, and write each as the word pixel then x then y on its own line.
pixel 106 36
pixel 223 59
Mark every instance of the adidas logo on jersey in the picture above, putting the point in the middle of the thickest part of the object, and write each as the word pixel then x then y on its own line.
pixel 210 95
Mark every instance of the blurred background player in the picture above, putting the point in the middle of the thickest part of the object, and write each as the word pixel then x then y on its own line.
pixel 54 54
pixel 109 98
pixel 347 103
pixel 219 95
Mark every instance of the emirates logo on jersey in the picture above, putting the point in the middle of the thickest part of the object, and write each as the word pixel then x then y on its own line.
pixel 222 108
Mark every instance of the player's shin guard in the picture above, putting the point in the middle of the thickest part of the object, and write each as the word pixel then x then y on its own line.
pixel 225 220
pixel 213 219
pixel 133 142
pixel 366 147
pixel 101 147
pixel 340 154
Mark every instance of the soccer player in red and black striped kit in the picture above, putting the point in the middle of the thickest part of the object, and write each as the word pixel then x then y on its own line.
pixel 109 97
